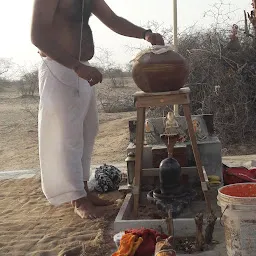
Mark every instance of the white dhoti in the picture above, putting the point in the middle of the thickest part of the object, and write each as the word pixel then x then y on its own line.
pixel 67 127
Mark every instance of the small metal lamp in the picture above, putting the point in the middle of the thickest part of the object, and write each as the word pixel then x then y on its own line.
pixel 130 160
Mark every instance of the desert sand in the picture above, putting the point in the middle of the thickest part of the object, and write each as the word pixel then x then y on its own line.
pixel 30 226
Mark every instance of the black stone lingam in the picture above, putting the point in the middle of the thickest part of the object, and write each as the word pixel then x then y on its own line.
pixel 169 169
pixel 171 196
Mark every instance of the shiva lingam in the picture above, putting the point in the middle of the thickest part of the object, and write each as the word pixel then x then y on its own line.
pixel 172 196
pixel 170 169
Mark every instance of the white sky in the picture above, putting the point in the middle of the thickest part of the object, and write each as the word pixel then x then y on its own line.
pixel 15 18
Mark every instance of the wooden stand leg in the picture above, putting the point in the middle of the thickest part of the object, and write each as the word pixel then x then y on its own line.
pixel 138 158
pixel 199 166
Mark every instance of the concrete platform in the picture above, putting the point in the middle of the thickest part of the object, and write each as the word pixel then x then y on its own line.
pixel 183 227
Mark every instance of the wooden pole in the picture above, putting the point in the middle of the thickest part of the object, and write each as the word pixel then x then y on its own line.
pixel 175 42
pixel 138 157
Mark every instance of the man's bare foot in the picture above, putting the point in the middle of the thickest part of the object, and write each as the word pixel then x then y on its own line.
pixel 84 208
pixel 95 200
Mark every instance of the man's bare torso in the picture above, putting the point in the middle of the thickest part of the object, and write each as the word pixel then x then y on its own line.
pixel 67 28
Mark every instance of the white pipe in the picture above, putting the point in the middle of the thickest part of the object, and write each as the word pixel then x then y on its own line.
pixel 175 41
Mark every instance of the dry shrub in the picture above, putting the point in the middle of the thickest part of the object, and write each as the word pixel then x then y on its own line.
pixel 222 82
pixel 5 65
pixel 29 84
pixel 115 78
pixel 155 112
pixel 4 83
pixel 114 100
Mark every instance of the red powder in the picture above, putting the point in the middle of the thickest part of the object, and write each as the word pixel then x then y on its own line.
pixel 240 190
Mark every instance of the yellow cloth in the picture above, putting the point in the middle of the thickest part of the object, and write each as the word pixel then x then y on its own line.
pixel 128 245
pixel 136 246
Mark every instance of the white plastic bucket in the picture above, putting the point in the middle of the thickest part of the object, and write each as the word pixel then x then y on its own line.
pixel 238 206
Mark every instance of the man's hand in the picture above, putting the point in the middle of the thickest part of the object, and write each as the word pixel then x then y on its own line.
pixel 154 39
pixel 91 74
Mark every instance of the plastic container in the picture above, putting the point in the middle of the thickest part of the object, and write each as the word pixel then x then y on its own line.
pixel 238 206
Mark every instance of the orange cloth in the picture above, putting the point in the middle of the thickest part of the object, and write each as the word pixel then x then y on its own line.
pixel 128 245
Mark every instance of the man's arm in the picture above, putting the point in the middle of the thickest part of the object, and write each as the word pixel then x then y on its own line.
pixel 118 24
pixel 42 34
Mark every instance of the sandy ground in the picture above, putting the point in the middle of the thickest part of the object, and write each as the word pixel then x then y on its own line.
pixel 18 134
pixel 30 226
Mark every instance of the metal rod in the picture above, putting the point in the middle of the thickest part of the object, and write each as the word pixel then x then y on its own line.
pixel 175 25
pixel 175 42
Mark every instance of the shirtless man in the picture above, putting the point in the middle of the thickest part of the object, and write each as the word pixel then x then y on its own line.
pixel 68 118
